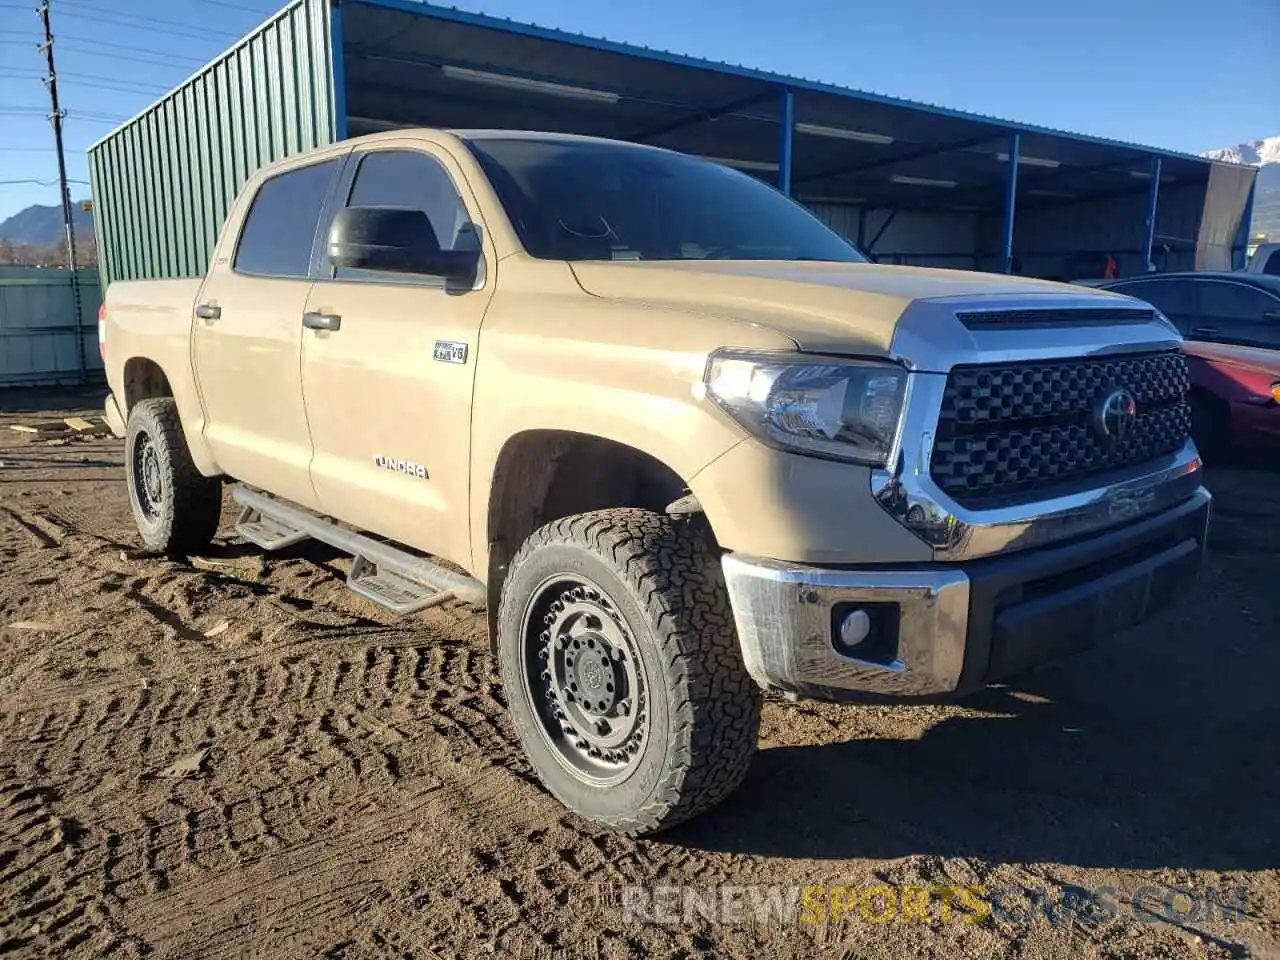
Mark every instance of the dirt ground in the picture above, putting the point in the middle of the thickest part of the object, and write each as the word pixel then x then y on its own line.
pixel 236 757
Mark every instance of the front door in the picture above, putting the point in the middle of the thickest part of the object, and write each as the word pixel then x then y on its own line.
pixel 388 385
pixel 1232 312
pixel 248 336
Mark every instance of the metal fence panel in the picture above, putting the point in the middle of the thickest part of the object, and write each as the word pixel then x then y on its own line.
pixel 38 326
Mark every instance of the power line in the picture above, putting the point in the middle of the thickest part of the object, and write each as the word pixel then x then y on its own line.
pixel 94 117
pixel 129 47
pixel 133 57
pixel 152 24
pixel 237 6
pixel 89 79
pixel 43 183
pixel 91 116
pixel 94 41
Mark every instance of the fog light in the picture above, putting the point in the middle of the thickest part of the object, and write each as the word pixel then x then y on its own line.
pixel 854 628
pixel 866 631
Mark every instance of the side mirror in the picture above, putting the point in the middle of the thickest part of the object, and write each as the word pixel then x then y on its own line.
pixel 395 240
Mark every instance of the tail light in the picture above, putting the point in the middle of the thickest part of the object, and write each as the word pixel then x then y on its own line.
pixel 102 333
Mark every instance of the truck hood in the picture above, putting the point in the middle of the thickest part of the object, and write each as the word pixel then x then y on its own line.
pixel 834 307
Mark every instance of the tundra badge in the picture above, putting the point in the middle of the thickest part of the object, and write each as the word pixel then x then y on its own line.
pixel 451 351
pixel 400 466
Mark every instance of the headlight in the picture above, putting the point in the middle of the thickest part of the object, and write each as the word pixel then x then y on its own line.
pixel 1275 392
pixel 841 409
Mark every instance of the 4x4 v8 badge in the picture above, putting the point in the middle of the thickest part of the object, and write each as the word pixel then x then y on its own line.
pixel 450 351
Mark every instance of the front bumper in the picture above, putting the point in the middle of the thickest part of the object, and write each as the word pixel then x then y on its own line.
pixel 959 626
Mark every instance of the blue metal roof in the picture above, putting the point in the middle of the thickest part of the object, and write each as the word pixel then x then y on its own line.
pixel 603 44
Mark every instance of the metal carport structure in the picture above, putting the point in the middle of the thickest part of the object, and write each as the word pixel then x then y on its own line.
pixel 909 182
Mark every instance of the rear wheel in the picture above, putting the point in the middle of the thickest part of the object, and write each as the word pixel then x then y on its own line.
pixel 622 669
pixel 175 507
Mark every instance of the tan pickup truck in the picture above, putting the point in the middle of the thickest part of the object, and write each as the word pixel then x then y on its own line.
pixel 687 444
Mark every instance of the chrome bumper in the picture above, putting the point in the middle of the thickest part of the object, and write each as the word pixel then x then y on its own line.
pixel 956 627
pixel 784 618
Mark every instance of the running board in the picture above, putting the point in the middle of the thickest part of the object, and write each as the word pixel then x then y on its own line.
pixel 267 532
pixel 390 590
pixel 402 582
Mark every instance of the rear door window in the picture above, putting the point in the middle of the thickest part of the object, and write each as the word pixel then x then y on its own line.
pixel 280 230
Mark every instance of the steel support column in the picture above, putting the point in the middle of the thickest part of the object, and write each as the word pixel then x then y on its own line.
pixel 1153 199
pixel 1010 204
pixel 1240 249
pixel 786 129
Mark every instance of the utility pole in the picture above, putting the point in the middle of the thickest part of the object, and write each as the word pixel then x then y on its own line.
pixel 51 81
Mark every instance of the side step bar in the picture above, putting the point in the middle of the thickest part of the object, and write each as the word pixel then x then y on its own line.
pixel 396 579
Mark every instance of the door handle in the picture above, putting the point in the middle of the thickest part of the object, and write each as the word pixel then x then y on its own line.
pixel 1205 331
pixel 208 311
pixel 321 321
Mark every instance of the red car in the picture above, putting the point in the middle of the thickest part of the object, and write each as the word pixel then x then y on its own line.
pixel 1235 399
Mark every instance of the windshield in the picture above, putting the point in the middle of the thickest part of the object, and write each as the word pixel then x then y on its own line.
pixel 593 200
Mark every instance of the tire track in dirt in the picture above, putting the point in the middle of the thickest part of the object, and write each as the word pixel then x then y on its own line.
pixel 351 718
pixel 363 794
pixel 48 868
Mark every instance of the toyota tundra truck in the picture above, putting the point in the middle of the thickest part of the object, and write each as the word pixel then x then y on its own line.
pixel 681 441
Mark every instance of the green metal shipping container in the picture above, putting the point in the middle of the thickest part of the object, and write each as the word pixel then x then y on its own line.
pixel 163 182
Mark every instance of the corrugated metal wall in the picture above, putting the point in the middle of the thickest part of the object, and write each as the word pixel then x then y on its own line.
pixel 1045 239
pixel 922 238
pixel 162 183
pixel 38 326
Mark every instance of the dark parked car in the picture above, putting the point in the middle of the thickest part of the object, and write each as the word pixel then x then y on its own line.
pixel 1242 308
pixel 1232 325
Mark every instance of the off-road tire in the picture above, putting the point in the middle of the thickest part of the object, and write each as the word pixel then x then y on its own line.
pixel 184 518
pixel 667 585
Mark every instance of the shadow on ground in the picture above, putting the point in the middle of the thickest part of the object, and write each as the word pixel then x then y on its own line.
pixel 42 400
pixel 1158 748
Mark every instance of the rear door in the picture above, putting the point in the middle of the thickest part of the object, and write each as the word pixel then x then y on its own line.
pixel 248 333
pixel 388 393
pixel 1232 312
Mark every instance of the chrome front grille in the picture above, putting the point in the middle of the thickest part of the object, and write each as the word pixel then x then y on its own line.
pixel 1006 430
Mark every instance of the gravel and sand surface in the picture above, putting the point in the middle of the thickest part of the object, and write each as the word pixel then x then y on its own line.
pixel 234 756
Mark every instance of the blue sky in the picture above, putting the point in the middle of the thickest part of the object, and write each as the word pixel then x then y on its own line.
pixel 1183 74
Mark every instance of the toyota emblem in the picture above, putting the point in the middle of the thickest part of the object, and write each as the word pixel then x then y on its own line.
pixel 1115 414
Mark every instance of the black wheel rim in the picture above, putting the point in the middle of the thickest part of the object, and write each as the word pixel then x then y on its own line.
pixel 585 680
pixel 148 486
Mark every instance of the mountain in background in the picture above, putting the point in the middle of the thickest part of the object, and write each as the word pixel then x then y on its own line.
pixel 42 226
pixel 1265 155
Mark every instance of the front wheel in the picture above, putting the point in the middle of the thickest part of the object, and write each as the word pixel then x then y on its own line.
pixel 622 669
